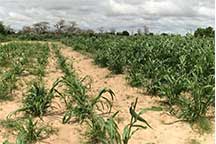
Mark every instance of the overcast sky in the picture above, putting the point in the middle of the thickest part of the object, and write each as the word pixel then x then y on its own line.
pixel 176 16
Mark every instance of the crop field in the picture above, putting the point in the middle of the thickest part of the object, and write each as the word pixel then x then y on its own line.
pixel 17 59
pixel 178 68
pixel 106 89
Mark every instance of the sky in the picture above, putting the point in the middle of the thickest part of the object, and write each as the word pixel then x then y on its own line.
pixel 172 16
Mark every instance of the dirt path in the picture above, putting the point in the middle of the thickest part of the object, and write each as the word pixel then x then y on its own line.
pixel 178 133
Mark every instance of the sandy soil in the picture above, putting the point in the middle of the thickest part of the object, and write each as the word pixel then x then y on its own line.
pixel 178 133
pixel 6 107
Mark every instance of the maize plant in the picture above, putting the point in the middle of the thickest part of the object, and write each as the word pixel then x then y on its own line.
pixel 38 100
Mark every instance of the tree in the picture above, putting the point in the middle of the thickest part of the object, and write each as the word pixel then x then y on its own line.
pixel 9 30
pixel 125 33
pixel 71 27
pixel 151 34
pixel 26 29
pixel 204 32
pixel 60 26
pixel 5 29
pixel 118 33
pixel 41 27
pixel 164 34
pixel 2 29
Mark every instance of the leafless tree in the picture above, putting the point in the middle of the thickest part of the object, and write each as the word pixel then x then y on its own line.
pixel 72 27
pixel 26 29
pixel 41 27
pixel 60 26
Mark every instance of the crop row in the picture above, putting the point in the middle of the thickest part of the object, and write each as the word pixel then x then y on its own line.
pixel 103 128
pixel 179 68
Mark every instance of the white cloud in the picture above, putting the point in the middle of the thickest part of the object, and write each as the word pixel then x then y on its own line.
pixel 206 12
pixel 3 13
pixel 121 8
pixel 18 17
pixel 160 15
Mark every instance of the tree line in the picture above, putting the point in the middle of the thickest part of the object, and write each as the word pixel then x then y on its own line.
pixel 71 27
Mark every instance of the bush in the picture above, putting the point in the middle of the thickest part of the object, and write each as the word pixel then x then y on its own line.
pixel 125 33
pixel 204 32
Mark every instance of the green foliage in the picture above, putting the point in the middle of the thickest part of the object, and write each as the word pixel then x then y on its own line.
pixel 38 100
pixel 2 29
pixel 17 58
pixel 3 38
pixel 180 68
pixel 30 132
pixel 204 125
pixel 133 127
pixel 103 131
pixel 27 130
pixel 5 30
pixel 125 33
pixel 10 123
pixel 5 90
pixel 204 32
pixel 79 105
pixel 76 99
pixel 6 142
pixel 194 141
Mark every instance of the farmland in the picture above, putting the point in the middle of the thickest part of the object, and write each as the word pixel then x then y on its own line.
pixel 170 67
pixel 107 89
